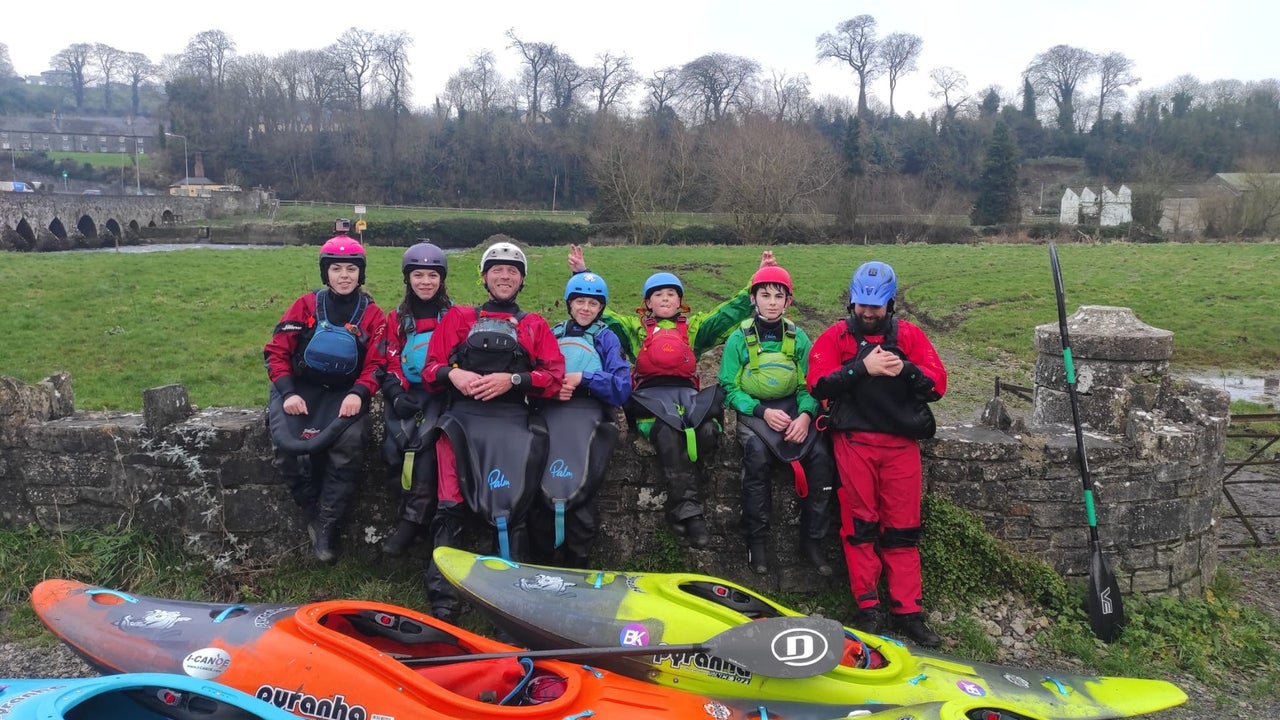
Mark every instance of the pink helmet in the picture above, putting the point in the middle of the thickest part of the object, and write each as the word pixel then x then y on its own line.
pixel 340 249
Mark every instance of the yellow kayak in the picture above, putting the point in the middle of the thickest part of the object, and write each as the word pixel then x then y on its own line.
pixel 547 607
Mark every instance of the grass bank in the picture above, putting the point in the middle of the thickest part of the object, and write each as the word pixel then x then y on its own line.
pixel 125 322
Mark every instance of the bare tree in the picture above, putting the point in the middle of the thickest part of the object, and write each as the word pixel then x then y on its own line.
pixel 138 69
pixel 662 88
pixel 1183 92
pixel 207 54
pixel 565 77
pixel 321 86
pixel 1115 73
pixel 537 57
pixel 1222 93
pixel 1056 72
pixel 854 43
pixel 6 64
pixel 717 82
pixel 898 53
pixel 949 84
pixel 392 51
pixel 357 53
pixel 765 171
pixel 107 61
pixel 641 170
pixel 477 87
pixel 289 68
pixel 788 97
pixel 610 78
pixel 73 59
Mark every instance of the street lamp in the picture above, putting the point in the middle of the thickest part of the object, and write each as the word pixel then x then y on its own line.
pixel 186 169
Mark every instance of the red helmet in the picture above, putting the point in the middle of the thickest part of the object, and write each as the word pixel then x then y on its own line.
pixel 772 274
pixel 341 249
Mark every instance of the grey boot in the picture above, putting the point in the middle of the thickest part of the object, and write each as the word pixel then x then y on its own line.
pixel 323 532
pixel 400 540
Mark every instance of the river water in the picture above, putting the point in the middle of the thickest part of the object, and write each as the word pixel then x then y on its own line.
pixel 1253 388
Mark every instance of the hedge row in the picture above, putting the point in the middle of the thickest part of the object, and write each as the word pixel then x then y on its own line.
pixel 469 232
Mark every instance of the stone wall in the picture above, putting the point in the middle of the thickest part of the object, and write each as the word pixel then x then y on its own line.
pixel 205 475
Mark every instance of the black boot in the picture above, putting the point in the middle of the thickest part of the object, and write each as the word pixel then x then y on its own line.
pixel 323 533
pixel 871 620
pixel 400 540
pixel 695 531
pixel 758 556
pixel 811 550
pixel 912 627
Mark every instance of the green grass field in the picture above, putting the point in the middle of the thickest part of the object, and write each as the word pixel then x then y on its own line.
pixel 110 160
pixel 124 322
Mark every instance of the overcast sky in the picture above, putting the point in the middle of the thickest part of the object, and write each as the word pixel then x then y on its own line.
pixel 990 41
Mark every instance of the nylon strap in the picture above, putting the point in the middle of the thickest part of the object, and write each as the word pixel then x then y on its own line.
pixel 559 523
pixel 406 472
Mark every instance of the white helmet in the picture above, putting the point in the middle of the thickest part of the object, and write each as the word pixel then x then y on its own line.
pixel 504 253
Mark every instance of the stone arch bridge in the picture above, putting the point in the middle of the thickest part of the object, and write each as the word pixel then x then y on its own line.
pixel 39 221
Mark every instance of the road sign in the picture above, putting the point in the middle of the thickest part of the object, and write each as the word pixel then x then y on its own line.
pixel 359 210
pixel 360 226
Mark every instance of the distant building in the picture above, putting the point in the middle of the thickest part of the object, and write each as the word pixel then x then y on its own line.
pixel 198 185
pixel 57 133
pixel 1112 208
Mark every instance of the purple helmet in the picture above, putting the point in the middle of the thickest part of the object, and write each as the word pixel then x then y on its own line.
pixel 424 255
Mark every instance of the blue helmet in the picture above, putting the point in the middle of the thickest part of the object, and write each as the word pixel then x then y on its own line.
pixel 658 281
pixel 874 283
pixel 586 284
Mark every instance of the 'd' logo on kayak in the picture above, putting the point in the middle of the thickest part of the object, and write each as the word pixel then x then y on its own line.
pixel 799 647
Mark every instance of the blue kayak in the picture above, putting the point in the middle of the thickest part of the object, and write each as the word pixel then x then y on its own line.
pixel 131 696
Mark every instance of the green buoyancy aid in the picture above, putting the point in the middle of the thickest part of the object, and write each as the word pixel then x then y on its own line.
pixel 769 375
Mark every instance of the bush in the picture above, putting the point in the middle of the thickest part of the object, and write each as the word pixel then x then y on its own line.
pixel 702 235
pixel 1044 231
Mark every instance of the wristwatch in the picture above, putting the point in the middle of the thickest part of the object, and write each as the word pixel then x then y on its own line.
pixel 516 379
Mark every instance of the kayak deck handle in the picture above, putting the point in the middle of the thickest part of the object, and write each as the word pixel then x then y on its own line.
pixel 229 611
pixel 93 594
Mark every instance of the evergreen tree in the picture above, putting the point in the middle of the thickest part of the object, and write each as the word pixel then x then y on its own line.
pixel 998 187
pixel 852 147
pixel 1028 100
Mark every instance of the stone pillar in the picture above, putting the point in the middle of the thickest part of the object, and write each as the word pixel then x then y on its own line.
pixel 1155 447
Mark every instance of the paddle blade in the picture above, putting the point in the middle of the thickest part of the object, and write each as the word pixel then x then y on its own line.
pixel 1105 606
pixel 782 647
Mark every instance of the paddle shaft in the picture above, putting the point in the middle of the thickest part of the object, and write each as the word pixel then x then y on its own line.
pixel 780 647
pixel 565 654
pixel 1106 611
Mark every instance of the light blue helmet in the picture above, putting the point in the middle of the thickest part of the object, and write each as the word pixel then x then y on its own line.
pixel 874 283
pixel 658 281
pixel 587 284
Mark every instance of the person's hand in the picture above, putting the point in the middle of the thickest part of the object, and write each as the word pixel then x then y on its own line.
pixel 776 419
pixel 405 406
pixel 351 405
pixel 571 382
pixel 766 259
pixel 576 263
pixel 463 380
pixel 798 429
pixel 882 362
pixel 488 387
pixel 295 405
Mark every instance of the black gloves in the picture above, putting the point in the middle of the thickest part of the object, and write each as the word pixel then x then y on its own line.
pixel 405 406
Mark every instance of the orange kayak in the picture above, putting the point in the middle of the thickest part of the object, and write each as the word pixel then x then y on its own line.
pixel 348 660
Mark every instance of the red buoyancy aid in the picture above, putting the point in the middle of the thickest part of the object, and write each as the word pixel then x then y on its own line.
pixel 666 352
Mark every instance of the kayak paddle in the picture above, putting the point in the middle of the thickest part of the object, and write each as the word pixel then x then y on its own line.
pixel 781 647
pixel 1105 606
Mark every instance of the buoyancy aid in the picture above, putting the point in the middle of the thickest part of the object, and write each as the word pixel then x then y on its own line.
pixel 881 403
pixel 579 348
pixel 492 345
pixel 666 352
pixel 414 355
pixel 769 375
pixel 333 351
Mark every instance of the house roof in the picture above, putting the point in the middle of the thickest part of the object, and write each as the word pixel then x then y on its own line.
pixel 77 125
pixel 1239 183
